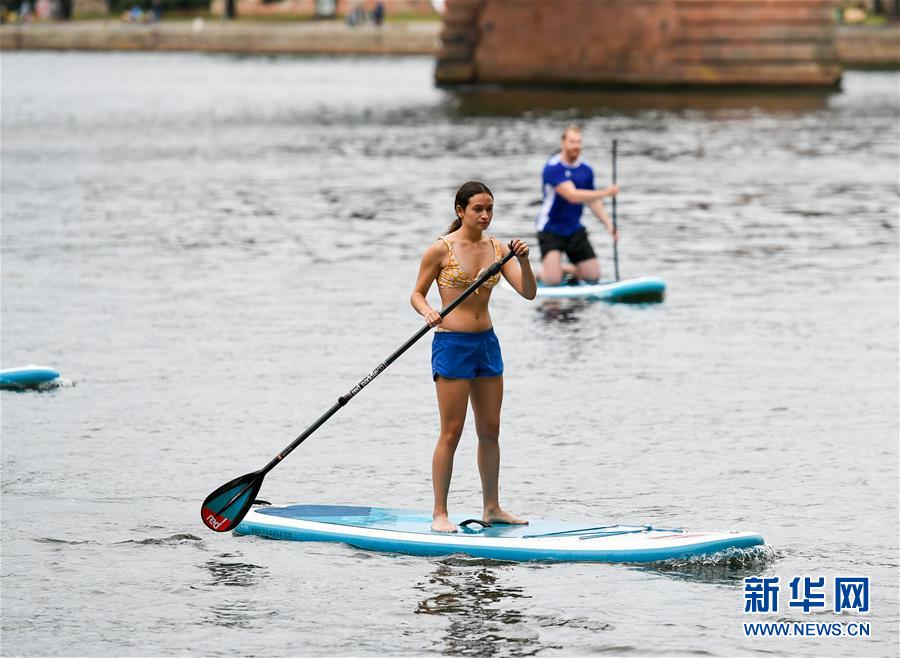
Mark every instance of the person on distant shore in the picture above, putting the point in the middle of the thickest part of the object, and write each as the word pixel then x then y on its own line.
pixel 378 13
pixel 357 15
pixel 133 15
pixel 43 10
pixel 568 184
pixel 24 15
pixel 466 362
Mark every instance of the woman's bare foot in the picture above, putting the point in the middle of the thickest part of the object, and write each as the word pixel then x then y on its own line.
pixel 443 524
pixel 499 516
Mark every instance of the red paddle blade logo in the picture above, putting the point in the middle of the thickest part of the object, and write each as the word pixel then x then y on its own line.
pixel 214 521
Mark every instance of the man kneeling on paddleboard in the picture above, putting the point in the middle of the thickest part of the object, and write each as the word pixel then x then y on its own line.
pixel 466 360
pixel 568 184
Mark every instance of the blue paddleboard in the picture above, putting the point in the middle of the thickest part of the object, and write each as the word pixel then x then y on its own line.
pixel 637 289
pixel 26 376
pixel 399 531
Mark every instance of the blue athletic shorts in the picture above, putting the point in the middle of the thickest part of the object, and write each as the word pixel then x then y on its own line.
pixel 463 355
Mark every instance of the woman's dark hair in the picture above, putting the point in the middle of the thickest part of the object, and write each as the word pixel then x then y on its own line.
pixel 463 194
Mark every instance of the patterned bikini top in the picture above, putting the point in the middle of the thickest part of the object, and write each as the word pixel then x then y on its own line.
pixel 453 276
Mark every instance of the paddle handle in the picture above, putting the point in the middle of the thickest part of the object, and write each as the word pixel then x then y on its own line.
pixel 493 270
pixel 615 148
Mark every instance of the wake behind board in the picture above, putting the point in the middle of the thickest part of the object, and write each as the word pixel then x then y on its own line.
pixel 26 376
pixel 637 289
pixel 399 531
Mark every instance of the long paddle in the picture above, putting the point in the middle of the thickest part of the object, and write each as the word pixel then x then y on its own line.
pixel 615 227
pixel 224 508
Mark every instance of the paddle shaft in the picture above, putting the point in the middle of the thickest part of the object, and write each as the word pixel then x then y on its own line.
pixel 615 146
pixel 344 399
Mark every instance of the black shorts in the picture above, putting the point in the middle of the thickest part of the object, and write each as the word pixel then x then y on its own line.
pixel 575 246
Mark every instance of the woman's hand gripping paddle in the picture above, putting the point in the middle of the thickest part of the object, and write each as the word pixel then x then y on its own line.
pixel 224 508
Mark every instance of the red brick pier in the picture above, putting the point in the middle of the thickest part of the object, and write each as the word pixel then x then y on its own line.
pixel 787 43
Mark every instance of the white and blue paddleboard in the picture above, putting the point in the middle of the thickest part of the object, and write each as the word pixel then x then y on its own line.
pixel 398 531
pixel 26 376
pixel 637 289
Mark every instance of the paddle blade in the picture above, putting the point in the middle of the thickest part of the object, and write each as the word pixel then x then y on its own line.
pixel 224 508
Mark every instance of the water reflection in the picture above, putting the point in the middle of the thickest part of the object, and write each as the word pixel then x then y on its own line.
pixel 234 574
pixel 481 620
pixel 568 311
pixel 582 103
pixel 562 311
pixel 235 612
pixel 238 614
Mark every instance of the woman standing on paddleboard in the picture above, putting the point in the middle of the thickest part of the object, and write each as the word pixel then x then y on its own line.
pixel 465 359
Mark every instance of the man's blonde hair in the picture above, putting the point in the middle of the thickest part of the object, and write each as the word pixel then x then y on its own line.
pixel 573 128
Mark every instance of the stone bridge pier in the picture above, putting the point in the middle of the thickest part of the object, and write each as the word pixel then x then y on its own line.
pixel 641 43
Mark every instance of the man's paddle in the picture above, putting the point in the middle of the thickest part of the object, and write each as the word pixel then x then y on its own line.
pixel 615 227
pixel 224 508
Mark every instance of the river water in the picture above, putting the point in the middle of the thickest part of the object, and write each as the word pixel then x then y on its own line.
pixel 212 249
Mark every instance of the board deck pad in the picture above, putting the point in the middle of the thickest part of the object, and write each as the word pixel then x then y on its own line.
pixel 402 531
